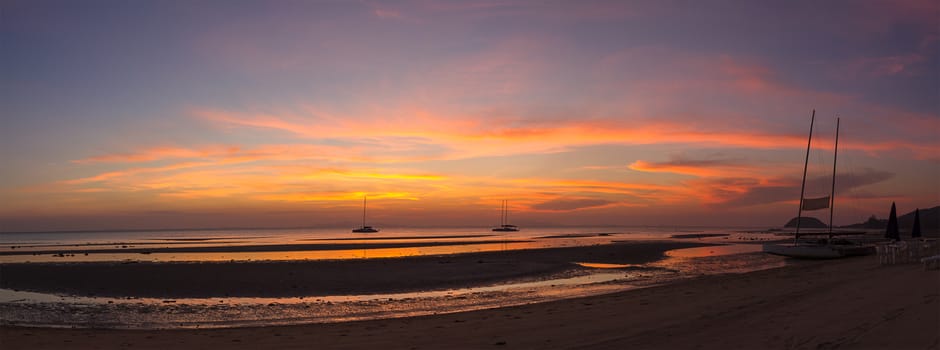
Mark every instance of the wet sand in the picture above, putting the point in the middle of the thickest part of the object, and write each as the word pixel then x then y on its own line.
pixel 845 304
pixel 317 277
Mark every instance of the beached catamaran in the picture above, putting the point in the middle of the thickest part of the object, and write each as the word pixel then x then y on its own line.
pixel 821 249
pixel 364 228
pixel 503 226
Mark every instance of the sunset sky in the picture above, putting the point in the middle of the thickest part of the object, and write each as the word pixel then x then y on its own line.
pixel 164 114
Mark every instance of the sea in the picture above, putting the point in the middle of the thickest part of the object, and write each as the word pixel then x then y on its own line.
pixel 736 250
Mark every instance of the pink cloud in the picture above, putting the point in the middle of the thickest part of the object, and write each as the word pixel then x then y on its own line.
pixel 886 65
pixel 386 13
pixel 531 9
pixel 879 16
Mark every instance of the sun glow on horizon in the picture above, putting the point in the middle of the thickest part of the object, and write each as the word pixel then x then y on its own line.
pixel 439 112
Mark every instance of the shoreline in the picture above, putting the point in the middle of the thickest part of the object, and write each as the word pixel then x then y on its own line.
pixel 256 248
pixel 318 277
pixel 850 303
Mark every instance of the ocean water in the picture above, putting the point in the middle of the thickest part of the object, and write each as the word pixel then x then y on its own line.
pixel 311 244
pixel 736 254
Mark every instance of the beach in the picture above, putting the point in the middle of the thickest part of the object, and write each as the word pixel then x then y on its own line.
pixel 317 277
pixel 254 278
pixel 486 174
pixel 847 304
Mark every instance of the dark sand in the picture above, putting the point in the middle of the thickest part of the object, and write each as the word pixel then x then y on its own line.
pixel 844 304
pixel 317 277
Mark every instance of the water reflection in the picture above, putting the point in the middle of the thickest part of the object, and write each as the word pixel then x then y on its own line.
pixel 38 309
pixel 605 266
pixel 299 244
pixel 716 250
pixel 325 249
pixel 587 278
pixel 362 253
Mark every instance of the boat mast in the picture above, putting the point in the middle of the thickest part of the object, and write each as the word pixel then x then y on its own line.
pixel 799 214
pixel 501 204
pixel 363 211
pixel 832 195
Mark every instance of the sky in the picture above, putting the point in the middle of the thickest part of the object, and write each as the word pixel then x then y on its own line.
pixel 186 114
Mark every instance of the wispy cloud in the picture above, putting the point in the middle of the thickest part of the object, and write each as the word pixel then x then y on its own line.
pixel 568 204
pixel 743 192
pixel 474 136
pixel 385 13
pixel 699 168
pixel 886 65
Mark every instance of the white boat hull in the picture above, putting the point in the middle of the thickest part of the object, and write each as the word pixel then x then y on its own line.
pixel 802 251
pixel 816 251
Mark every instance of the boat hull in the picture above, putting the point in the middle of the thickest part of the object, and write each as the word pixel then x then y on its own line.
pixel 817 251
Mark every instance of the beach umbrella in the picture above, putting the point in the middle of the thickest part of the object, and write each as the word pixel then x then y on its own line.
pixel 915 231
pixel 892 231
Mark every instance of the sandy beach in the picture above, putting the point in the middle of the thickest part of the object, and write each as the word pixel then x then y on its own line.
pixel 846 304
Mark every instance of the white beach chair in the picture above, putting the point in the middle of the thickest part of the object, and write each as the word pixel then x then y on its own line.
pixel 931 262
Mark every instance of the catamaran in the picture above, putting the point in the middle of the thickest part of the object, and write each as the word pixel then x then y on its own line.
pixel 364 228
pixel 821 249
pixel 503 226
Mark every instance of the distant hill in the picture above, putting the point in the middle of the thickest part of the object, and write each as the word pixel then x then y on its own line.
pixel 873 223
pixel 929 220
pixel 808 222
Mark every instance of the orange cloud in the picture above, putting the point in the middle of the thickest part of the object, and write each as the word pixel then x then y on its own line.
pixel 468 137
pixel 466 141
pixel 698 168
pixel 347 197
pixel 569 204
pixel 641 165
pixel 374 175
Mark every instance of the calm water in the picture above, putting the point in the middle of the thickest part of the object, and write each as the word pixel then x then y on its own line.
pixel 738 254
pixel 310 243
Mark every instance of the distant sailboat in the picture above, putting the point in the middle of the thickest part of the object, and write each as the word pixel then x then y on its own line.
pixel 364 228
pixel 503 226
pixel 827 249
